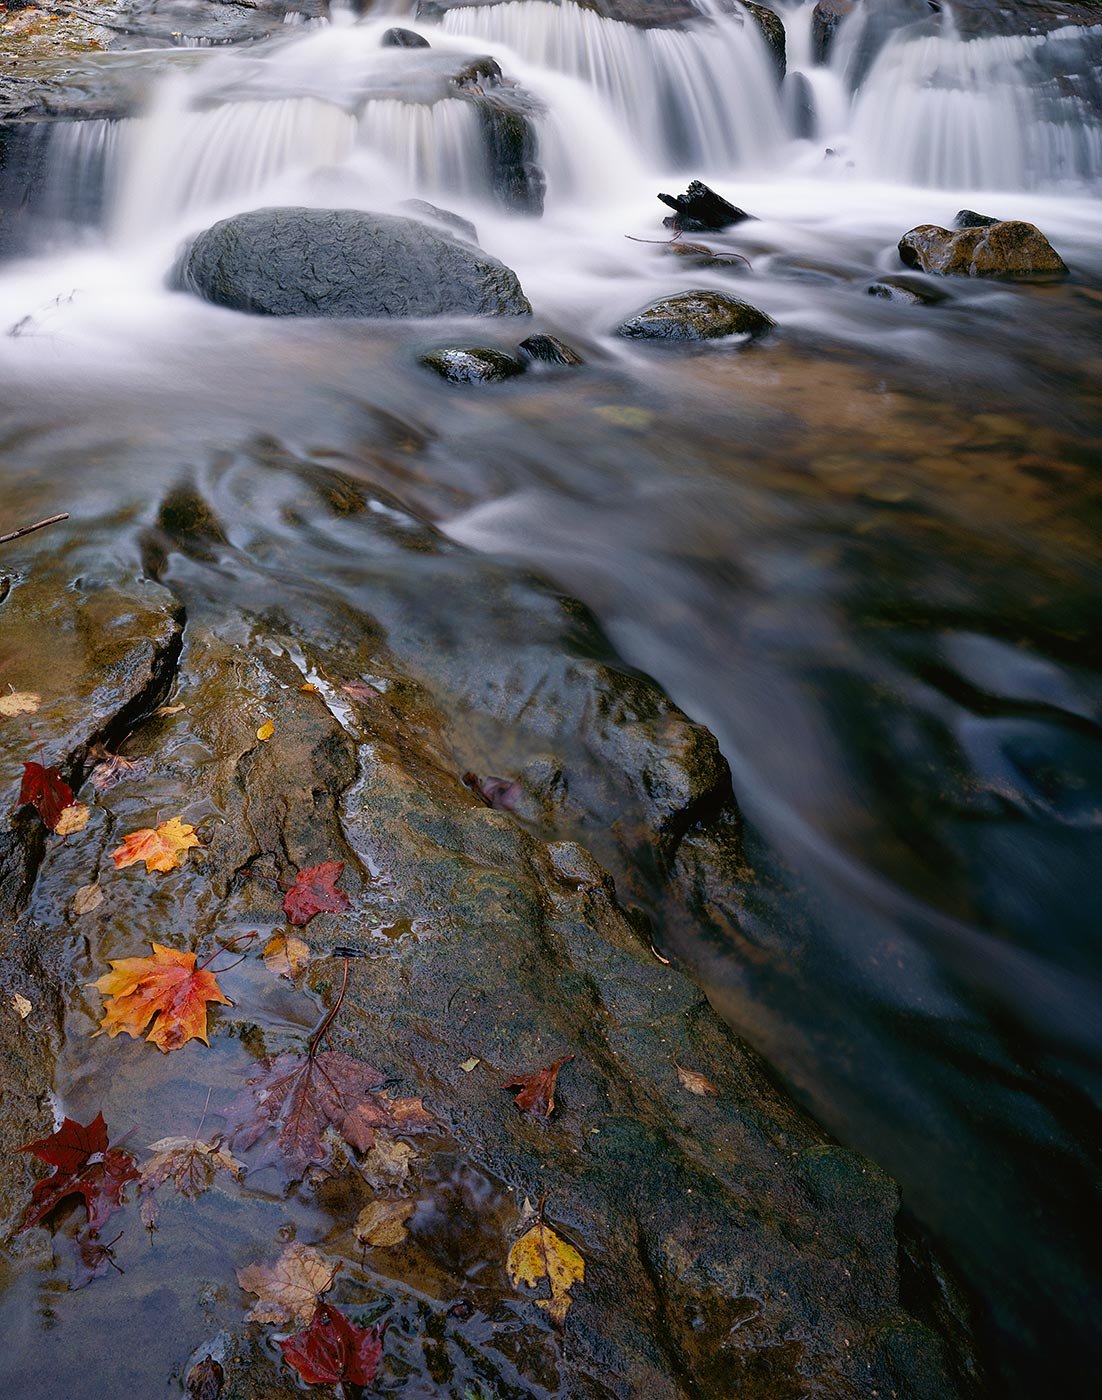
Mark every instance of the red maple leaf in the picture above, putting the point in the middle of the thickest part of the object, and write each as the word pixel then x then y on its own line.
pixel 333 1349
pixel 86 1166
pixel 537 1091
pixel 315 892
pixel 46 791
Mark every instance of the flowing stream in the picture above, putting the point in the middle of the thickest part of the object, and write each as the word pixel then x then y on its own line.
pixel 866 553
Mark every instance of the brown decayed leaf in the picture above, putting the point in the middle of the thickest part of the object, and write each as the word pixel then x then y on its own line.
pixel 19 702
pixel 189 1164
pixel 94 1257
pixel 696 1083
pixel 537 1091
pixel 163 710
pixel 542 1254
pixel 167 986
pixel 386 1166
pixel 73 818
pixel 360 690
pixel 205 1380
pixel 289 1289
pixel 382 1224
pixel 22 1006
pixel 286 955
pixel 87 898
pixel 500 793
pixel 161 849
pixel 300 1096
pixel 112 768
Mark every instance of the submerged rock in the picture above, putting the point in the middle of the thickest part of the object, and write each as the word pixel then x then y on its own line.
pixel 343 262
pixel 910 291
pixel 403 39
pixel 968 218
pixel 700 315
pixel 700 255
pixel 700 209
pixel 478 364
pixel 548 350
pixel 444 218
pixel 1008 249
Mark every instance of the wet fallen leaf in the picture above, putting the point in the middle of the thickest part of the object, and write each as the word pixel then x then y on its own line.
pixel 360 690
pixel 161 849
pixel 189 1164
pixel 167 710
pixel 541 1254
pixel 112 768
pixel 73 818
pixel 205 1380
pixel 386 1166
pixel 19 702
pixel 286 955
pixel 315 892
pixel 308 688
pixel 468 1065
pixel 289 1289
pixel 46 791
pixel 696 1083
pixel 87 898
pixel 94 1257
pixel 537 1091
pixel 86 1166
pixel 298 1096
pixel 266 730
pixel 382 1224
pixel 23 1007
pixel 333 1350
pixel 499 793
pixel 168 986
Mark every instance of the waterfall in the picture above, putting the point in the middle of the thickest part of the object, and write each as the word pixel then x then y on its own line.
pixel 439 147
pixel 703 97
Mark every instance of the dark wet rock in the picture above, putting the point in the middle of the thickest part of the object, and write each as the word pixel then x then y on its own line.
pixel 548 350
pixel 343 262
pixel 1009 249
pixel 772 29
pixel 478 72
pixel 444 218
pixel 699 315
pixel 517 176
pixel 800 103
pixel 477 364
pixel 825 19
pixel 700 209
pixel 403 39
pixel 487 938
pixel 909 291
pixel 968 218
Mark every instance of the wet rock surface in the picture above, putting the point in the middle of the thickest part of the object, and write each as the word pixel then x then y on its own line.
pixel 548 350
pixel 342 262
pixel 730 1248
pixel 908 291
pixel 699 315
pixel 479 364
pixel 1008 249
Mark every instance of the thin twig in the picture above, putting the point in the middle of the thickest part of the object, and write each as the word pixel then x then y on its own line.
pixel 29 529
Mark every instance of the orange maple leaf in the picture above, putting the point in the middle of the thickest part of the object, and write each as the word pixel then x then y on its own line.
pixel 167 985
pixel 160 849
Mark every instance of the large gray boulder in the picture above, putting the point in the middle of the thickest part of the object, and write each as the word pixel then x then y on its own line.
pixel 344 262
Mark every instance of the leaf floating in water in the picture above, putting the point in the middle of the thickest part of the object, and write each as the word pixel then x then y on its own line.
pixel 22 1006
pixel 696 1083
pixel 163 710
pixel 537 1091
pixel 86 1166
pixel 386 1166
pixel 161 849
pixel 540 1254
pixel 500 793
pixel 95 1257
pixel 334 1351
pixel 87 898
pixel 19 702
pixel 189 1164
pixel 112 768
pixel 73 818
pixel 205 1380
pixel 382 1224
pixel 286 955
pixel 266 730
pixel 46 791
pixel 360 690
pixel 167 985
pixel 290 1288
pixel 315 892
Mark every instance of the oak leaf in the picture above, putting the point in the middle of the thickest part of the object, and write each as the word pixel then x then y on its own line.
pixel 286 955
pixel 167 986
pixel 161 849
pixel 696 1083
pixel 537 1091
pixel 87 898
pixel 189 1164
pixel 333 1350
pixel 541 1254
pixel 19 702
pixel 46 791
pixel 73 818
pixel 289 1289
pixel 382 1224
pixel 87 1166
pixel 315 892
pixel 300 1096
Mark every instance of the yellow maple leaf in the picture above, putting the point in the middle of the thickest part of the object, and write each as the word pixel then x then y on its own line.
pixel 286 955
pixel 20 702
pixel 541 1254
pixel 73 818
pixel 161 849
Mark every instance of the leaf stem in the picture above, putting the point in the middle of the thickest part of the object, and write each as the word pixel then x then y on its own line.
pixel 320 1033
pixel 225 948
